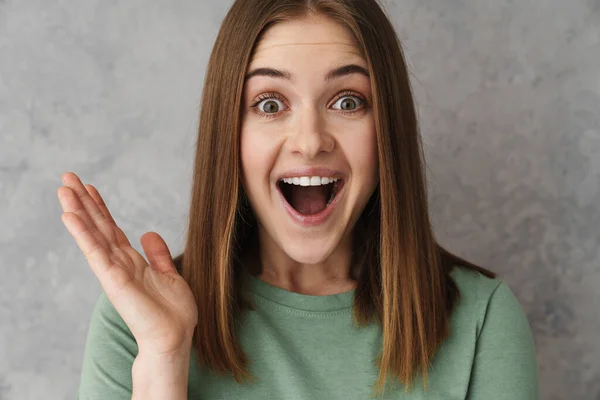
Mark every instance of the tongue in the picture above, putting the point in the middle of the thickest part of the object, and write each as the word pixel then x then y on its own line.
pixel 308 199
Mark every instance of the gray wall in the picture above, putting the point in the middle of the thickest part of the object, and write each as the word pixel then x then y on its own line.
pixel 509 99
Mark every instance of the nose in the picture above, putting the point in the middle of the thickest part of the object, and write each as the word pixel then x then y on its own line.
pixel 309 136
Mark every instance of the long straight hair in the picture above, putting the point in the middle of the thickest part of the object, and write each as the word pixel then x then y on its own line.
pixel 403 274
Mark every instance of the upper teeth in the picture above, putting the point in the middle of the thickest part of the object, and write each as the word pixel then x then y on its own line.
pixel 309 180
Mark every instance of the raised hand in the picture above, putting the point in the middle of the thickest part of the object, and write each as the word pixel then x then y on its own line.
pixel 155 302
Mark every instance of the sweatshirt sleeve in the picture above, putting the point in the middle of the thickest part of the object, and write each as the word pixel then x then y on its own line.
pixel 505 366
pixel 109 353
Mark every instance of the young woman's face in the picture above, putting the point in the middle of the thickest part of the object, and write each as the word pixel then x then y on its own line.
pixel 307 121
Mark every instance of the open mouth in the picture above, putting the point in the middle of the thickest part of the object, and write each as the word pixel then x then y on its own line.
pixel 310 200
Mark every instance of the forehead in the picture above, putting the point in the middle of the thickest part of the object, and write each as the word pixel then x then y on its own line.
pixel 306 37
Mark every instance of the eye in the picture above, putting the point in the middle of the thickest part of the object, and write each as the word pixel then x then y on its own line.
pixel 348 103
pixel 269 104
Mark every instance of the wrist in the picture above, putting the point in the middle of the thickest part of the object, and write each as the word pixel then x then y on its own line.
pixel 161 376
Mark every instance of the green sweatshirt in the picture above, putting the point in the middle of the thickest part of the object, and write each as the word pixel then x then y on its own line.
pixel 306 347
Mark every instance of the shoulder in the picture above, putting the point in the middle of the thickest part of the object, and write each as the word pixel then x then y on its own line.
pixel 110 350
pixel 473 284
pixel 490 326
pixel 483 298
pixel 108 322
pixel 108 332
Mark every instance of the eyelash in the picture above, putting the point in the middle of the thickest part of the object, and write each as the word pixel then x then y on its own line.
pixel 273 95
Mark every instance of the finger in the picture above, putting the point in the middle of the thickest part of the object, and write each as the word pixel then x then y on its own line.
pixel 94 194
pixel 126 254
pixel 95 254
pixel 89 212
pixel 122 239
pixel 70 203
pixel 157 252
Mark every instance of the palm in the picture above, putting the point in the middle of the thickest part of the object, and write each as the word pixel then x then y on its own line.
pixel 152 298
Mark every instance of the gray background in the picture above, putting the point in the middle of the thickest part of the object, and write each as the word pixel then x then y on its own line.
pixel 509 99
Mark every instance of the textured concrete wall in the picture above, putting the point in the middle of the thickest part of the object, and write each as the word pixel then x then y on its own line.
pixel 509 100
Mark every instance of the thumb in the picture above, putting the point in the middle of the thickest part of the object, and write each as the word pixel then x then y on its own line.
pixel 158 253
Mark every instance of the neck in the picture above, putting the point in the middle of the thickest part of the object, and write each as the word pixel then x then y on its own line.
pixel 330 276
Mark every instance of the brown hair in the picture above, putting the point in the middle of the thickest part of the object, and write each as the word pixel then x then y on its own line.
pixel 403 274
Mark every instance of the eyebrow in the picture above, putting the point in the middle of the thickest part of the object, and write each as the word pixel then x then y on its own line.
pixel 282 74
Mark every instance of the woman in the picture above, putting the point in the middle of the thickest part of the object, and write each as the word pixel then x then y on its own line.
pixel 311 270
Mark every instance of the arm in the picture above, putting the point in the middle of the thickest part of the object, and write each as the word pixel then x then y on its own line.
pixel 505 365
pixel 113 369
pixel 145 303
pixel 161 377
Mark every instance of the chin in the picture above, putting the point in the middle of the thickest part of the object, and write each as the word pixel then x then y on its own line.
pixel 307 252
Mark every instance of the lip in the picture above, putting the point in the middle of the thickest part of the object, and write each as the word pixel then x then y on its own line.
pixel 314 219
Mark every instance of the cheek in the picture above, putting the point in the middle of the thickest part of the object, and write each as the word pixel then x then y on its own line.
pixel 361 150
pixel 257 155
